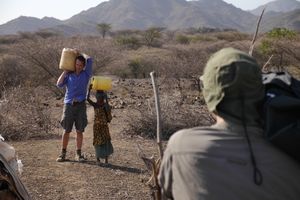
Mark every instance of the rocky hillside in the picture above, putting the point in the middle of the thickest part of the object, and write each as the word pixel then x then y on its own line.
pixel 278 6
pixel 28 24
pixel 142 14
pixel 290 20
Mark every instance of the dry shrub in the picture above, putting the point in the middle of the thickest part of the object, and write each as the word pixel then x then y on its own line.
pixel 285 53
pixel 203 38
pixel 8 39
pixel 175 115
pixel 172 61
pixel 196 38
pixel 231 36
pixel 171 122
pixel 24 115
pixel 183 39
pixel 187 61
pixel 27 35
pixel 144 59
pixel 101 50
pixel 43 55
pixel 12 72
pixel 119 66
pixel 46 34
pixel 128 42
pixel 40 57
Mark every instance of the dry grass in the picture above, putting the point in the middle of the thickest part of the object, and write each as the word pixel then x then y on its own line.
pixel 31 60
pixel 25 115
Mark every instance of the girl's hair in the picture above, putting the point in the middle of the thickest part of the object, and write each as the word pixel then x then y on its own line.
pixel 101 94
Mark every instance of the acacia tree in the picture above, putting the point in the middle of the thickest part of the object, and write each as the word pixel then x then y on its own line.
pixel 103 28
pixel 151 35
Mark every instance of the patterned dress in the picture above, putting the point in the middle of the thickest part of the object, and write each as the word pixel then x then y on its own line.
pixel 100 128
pixel 102 139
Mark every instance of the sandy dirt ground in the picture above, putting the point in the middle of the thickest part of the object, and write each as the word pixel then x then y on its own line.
pixel 123 178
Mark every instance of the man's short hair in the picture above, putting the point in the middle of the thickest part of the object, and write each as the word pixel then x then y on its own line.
pixel 81 59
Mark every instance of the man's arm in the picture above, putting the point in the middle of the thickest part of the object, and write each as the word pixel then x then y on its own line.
pixel 88 65
pixel 61 80
pixel 88 96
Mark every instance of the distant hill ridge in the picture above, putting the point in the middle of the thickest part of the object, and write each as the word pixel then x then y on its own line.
pixel 278 6
pixel 142 14
pixel 28 24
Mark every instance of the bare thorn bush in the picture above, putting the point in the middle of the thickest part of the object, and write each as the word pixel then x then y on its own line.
pixel 175 116
pixel 24 116
pixel 12 73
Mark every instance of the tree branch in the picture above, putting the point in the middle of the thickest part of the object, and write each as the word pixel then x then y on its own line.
pixel 256 32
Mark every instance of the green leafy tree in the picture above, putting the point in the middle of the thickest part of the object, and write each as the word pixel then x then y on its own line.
pixel 276 43
pixel 104 28
pixel 281 33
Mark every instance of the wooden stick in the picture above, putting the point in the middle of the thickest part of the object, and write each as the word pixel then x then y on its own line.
pixel 157 106
pixel 256 32
pixel 267 63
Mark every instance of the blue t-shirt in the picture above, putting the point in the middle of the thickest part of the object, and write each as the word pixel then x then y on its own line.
pixel 76 85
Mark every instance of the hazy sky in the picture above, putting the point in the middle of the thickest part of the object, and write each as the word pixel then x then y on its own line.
pixel 64 9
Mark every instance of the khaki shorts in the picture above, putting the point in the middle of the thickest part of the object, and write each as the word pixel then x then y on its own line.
pixel 74 114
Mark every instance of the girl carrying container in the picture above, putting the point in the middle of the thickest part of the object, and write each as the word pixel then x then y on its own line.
pixel 102 139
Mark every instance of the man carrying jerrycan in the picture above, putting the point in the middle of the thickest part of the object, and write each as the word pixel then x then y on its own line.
pixel 75 77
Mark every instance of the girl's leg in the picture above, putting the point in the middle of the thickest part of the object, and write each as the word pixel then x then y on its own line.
pixel 98 161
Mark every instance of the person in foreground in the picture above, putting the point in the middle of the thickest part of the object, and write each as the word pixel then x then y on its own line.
pixel 101 139
pixel 74 111
pixel 230 159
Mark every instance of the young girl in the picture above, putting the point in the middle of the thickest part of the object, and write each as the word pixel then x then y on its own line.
pixel 102 139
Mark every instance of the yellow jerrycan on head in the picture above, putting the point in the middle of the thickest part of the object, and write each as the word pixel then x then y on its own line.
pixel 101 83
pixel 67 59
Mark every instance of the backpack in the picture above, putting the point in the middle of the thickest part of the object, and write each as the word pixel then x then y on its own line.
pixel 281 112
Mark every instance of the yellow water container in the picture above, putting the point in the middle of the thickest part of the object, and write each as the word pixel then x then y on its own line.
pixel 101 83
pixel 67 59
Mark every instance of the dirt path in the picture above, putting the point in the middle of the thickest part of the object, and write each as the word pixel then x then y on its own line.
pixel 124 178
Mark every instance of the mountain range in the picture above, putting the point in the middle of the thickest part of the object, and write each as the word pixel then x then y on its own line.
pixel 172 14
pixel 278 6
